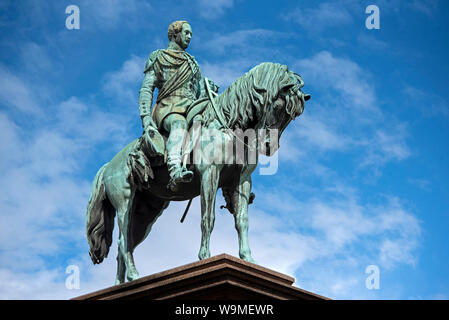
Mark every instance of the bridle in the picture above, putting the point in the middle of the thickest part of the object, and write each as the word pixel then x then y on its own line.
pixel 294 90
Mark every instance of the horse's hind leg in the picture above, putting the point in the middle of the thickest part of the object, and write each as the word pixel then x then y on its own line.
pixel 148 209
pixel 144 213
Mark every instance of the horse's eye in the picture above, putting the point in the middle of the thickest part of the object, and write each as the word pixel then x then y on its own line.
pixel 285 90
pixel 279 103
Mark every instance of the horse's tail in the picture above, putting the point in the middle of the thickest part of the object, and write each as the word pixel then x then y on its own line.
pixel 99 220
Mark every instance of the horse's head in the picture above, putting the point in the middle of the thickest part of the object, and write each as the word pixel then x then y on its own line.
pixel 267 97
pixel 287 105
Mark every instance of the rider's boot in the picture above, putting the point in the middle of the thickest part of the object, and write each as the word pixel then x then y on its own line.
pixel 177 173
pixel 176 125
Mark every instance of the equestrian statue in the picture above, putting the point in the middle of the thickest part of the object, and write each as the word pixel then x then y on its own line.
pixel 194 142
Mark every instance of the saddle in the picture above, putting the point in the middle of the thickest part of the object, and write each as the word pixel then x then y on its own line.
pixel 149 150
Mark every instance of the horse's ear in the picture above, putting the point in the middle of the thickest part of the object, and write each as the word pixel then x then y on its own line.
pixel 287 87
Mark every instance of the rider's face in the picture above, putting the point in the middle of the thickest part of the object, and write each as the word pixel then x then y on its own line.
pixel 185 35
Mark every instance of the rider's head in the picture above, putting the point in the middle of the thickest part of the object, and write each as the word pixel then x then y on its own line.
pixel 180 32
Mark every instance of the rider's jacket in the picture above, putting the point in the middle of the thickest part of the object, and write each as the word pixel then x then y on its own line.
pixel 177 76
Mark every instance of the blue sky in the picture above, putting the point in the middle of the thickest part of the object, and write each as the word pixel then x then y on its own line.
pixel 363 173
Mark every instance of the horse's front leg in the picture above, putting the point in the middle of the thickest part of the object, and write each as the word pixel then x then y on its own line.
pixel 209 184
pixel 241 198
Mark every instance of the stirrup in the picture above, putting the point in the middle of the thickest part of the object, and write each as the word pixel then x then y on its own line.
pixel 181 176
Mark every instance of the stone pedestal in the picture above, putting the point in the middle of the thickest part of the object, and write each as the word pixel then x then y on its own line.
pixel 221 277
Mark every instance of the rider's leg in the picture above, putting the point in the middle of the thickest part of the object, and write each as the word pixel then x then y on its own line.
pixel 176 125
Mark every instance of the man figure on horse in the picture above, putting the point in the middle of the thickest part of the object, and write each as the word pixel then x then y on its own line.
pixel 177 76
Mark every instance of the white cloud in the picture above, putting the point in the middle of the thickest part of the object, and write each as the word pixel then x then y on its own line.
pixel 392 252
pixel 224 73
pixel 43 196
pixel 250 48
pixel 422 184
pixel 347 118
pixel 36 58
pixel 240 40
pixel 88 124
pixel 428 7
pixel 344 77
pixel 37 196
pixel 15 94
pixel 393 145
pixel 124 84
pixel 44 190
pixel 371 42
pixel 114 14
pixel 326 15
pixel 339 232
pixel 430 104
pixel 317 133
pixel 214 9
pixel 385 145
pixel 346 221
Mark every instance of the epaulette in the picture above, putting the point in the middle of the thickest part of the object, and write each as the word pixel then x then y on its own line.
pixel 151 60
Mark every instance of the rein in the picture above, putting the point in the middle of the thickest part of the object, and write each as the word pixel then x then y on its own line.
pixel 220 115
pixel 294 91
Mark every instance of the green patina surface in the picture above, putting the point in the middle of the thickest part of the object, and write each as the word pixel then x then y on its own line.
pixel 141 180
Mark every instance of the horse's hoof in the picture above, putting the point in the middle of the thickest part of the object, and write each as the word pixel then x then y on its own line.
pixel 131 276
pixel 248 258
pixel 203 256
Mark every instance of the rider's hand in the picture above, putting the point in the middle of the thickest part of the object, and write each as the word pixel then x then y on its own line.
pixel 146 122
pixel 213 86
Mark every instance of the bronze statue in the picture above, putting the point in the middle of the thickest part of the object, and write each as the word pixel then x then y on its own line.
pixel 177 76
pixel 140 181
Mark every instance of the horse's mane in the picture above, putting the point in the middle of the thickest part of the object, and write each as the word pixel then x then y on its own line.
pixel 247 98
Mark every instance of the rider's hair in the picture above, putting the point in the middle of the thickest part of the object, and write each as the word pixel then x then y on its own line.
pixel 174 28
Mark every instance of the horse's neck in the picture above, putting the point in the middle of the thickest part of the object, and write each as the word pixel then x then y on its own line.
pixel 216 123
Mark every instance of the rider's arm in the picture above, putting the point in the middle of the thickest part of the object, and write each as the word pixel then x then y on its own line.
pixel 147 89
pixel 212 86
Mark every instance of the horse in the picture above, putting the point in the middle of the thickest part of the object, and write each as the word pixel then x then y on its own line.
pixel 267 97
